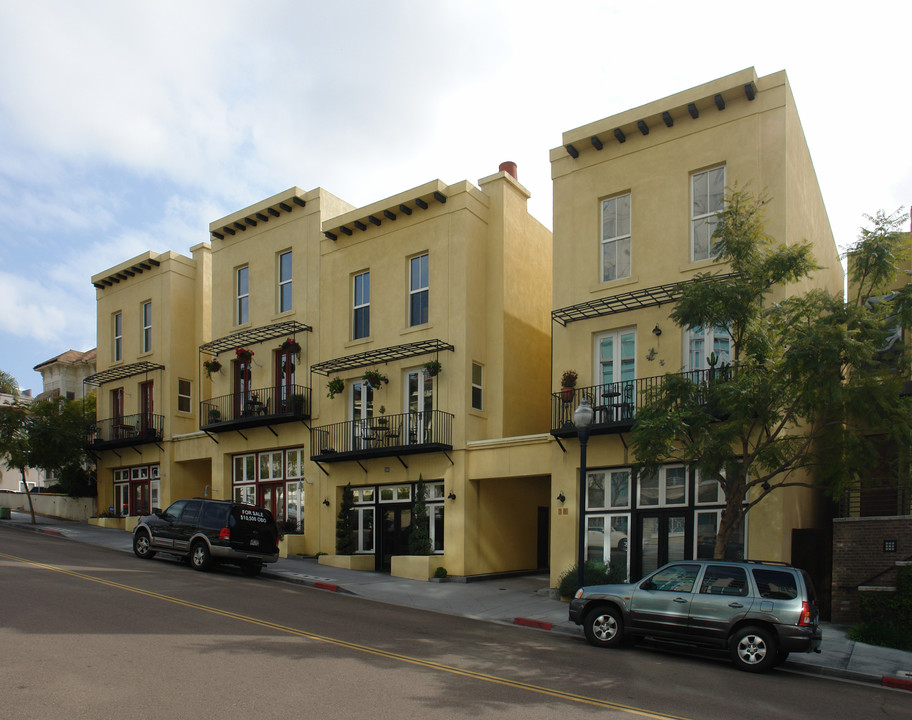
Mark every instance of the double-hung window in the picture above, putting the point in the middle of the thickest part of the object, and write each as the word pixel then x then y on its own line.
pixel 616 238
pixel 146 340
pixel 243 295
pixel 477 387
pixel 361 306
pixel 707 199
pixel 118 337
pixel 418 290
pixel 284 281
pixel 184 398
pixel 707 347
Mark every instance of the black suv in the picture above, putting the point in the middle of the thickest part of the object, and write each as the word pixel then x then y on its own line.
pixel 209 531
pixel 759 612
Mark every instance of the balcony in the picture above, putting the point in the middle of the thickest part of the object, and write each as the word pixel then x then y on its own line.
pixel 125 431
pixel 614 404
pixel 383 436
pixel 258 408
pixel 886 501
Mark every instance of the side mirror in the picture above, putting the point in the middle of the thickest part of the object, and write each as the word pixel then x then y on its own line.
pixel 648 585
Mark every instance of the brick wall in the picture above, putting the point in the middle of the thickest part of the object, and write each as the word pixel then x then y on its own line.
pixel 858 555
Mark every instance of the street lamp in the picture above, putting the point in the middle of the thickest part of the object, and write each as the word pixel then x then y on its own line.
pixel 582 419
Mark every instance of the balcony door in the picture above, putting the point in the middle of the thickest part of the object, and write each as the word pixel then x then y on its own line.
pixel 241 386
pixel 615 374
pixel 419 406
pixel 285 380
pixel 361 410
pixel 146 420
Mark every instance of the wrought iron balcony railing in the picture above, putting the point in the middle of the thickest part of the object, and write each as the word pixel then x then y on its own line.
pixel 615 404
pixel 383 436
pixel 263 406
pixel 876 502
pixel 125 430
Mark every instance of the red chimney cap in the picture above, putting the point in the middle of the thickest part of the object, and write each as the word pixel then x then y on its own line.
pixel 509 167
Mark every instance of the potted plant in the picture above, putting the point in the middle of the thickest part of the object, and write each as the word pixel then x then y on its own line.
pixel 243 354
pixel 214 415
pixel 291 345
pixel 374 378
pixel 568 383
pixel 211 366
pixel 381 421
pixel 432 368
pixel 297 404
pixel 336 385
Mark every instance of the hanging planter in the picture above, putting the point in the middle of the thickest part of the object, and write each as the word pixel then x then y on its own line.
pixel 374 378
pixel 293 346
pixel 432 368
pixel 211 366
pixel 336 385
pixel 243 354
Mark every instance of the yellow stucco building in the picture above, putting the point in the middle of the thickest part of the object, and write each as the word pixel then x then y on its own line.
pixel 311 345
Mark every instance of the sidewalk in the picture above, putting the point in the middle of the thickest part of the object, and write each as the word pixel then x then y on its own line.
pixel 509 600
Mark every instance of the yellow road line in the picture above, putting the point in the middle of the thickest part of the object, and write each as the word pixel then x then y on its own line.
pixel 560 694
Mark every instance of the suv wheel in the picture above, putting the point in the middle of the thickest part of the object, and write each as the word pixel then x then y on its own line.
pixel 753 649
pixel 200 558
pixel 142 545
pixel 604 627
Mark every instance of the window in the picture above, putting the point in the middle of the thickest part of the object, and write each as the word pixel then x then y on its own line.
pixel 395 493
pixel 701 345
pixel 294 498
pixel 294 463
pixel 118 337
pixel 724 580
pixel 666 487
pixel 477 387
pixel 285 281
pixel 244 468
pixel 146 342
pixel 707 198
pixel 616 238
pixel 243 295
pixel 615 357
pixel 676 578
pixel 418 290
pixel 607 539
pixel 117 405
pixel 709 491
pixel 608 489
pixel 361 306
pixel 707 527
pixel 183 395
pixel 271 465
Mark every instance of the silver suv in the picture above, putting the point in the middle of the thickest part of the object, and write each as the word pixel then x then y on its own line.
pixel 759 611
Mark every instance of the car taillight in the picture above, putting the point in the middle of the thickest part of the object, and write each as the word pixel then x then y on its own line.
pixel 225 534
pixel 805 618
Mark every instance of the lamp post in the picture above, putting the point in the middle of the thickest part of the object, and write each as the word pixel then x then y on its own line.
pixel 582 419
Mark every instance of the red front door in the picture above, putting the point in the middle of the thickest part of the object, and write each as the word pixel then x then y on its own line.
pixel 145 407
pixel 272 497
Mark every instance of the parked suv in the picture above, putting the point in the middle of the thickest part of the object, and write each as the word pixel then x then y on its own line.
pixel 210 531
pixel 759 611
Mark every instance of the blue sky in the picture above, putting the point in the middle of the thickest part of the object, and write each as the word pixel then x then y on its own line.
pixel 129 126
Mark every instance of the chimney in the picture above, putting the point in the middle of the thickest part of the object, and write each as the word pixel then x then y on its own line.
pixel 509 167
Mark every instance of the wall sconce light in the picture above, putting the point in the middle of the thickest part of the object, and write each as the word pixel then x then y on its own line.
pixel 657 330
pixel 326 502
pixel 560 497
pixel 451 496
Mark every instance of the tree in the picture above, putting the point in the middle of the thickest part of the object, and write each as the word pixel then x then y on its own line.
pixel 57 439
pixel 8 384
pixel 419 536
pixel 805 384
pixel 14 443
pixel 345 526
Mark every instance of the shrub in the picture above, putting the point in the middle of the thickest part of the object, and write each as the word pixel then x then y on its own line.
pixel 886 618
pixel 440 572
pixel 594 573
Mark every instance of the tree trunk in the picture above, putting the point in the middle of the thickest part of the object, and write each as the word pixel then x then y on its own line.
pixel 28 495
pixel 731 516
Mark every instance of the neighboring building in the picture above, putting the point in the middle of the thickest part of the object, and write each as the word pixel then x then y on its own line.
pixel 11 478
pixel 63 376
pixel 634 199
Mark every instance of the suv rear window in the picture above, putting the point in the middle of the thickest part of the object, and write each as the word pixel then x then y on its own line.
pixel 214 515
pixel 775 584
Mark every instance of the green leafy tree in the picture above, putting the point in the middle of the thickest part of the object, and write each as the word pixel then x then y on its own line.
pixel 419 536
pixel 8 384
pixel 15 449
pixel 805 384
pixel 345 523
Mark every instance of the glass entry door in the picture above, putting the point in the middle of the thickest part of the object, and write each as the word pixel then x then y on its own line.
pixel 662 540
pixel 419 404
pixel 394 534
pixel 272 497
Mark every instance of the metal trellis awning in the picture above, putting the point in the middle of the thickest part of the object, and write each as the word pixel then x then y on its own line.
pixel 253 336
pixel 120 372
pixel 380 355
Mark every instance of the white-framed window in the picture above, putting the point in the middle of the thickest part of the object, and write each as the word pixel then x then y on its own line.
pixel 294 463
pixel 364 529
pixel 477 386
pixel 139 473
pixel 707 199
pixel 121 506
pixel 363 495
pixel 361 305
pixel 615 357
pixel 435 530
pixel 616 238
pixel 608 489
pixel 607 539
pixel 700 343
pixel 118 337
pixel 418 290
pixel 244 468
pixel 706 528
pixel 242 295
pixel 667 487
pixel 709 491
pixel 155 493
pixel 271 466
pixel 245 494
pixel 146 339
pixel 184 397
pixel 284 273
pixel 395 493
pixel 294 503
pixel 434 491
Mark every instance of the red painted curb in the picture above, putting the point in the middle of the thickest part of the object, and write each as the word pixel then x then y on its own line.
pixel 326 586
pixel 53 532
pixel 540 624
pixel 900 683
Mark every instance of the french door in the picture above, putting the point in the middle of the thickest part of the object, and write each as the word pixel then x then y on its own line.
pixel 285 380
pixel 419 406
pixel 663 539
pixel 395 526
pixel 241 386
pixel 145 407
pixel 272 497
pixel 361 410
